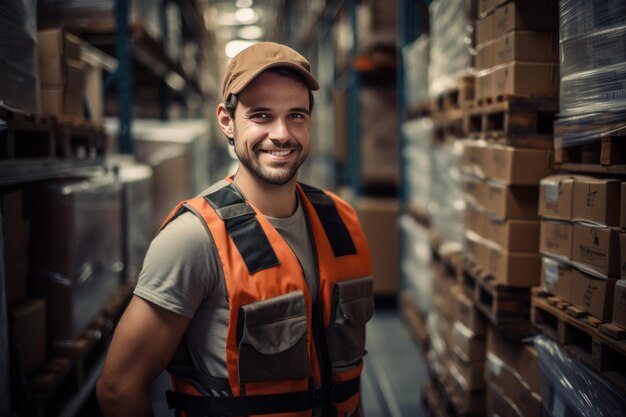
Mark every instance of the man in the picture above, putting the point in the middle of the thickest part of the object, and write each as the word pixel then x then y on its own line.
pixel 255 294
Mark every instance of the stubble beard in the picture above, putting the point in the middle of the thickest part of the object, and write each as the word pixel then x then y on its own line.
pixel 271 176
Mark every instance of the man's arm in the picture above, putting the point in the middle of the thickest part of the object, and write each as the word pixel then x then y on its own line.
pixel 143 344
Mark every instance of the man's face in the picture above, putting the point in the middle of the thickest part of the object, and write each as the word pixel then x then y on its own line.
pixel 272 128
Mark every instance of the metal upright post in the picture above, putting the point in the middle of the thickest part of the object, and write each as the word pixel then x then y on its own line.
pixel 354 109
pixel 124 76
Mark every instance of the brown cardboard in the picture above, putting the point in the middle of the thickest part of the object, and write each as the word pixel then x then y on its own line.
pixel 619 303
pixel 526 46
pixel 484 84
pixel 597 200
pixel 93 92
pixel 56 101
pixel 514 235
pixel 622 256
pixel 485 55
pixel 58 73
pixel 379 219
pixel 474 190
pixel 526 78
pixel 474 159
pixel 516 269
pixel 475 220
pixel 504 377
pixel 523 359
pixel 593 294
pixel 511 202
pixel 540 16
pixel 52 43
pixel 467 314
pixel 500 405
pixel 510 165
pixel 597 248
pixel 28 328
pixel 556 277
pixel 472 374
pixel 466 401
pixel 556 238
pixel 486 5
pixel 555 197
pixel 466 345
pixel 485 29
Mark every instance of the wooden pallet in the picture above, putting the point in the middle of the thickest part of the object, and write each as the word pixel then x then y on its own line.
pixel 26 135
pixel 606 155
pixel 578 333
pixel 419 110
pixel 414 320
pixel 513 120
pixel 507 308
pixel 79 139
pixel 448 110
pixel 447 400
pixel 73 367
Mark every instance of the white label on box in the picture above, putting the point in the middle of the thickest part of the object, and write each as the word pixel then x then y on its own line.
pixel 551 272
pixel 552 191
pixel 558 407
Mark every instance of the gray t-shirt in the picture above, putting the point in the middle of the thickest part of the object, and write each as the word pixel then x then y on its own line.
pixel 182 273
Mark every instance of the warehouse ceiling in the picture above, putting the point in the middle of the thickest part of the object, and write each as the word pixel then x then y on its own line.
pixel 239 23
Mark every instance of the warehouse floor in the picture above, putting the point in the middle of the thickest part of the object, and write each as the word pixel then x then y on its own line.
pixel 394 372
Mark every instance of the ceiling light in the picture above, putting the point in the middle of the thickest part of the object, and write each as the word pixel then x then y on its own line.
pixel 243 3
pixel 236 46
pixel 250 32
pixel 246 16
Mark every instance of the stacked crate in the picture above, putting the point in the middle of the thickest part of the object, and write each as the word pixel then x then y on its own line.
pixel 580 303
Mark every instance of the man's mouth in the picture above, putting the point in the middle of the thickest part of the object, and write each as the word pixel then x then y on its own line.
pixel 278 152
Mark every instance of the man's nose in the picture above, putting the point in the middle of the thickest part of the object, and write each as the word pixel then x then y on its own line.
pixel 279 130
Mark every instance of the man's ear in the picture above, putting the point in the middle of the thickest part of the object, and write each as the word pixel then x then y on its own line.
pixel 224 120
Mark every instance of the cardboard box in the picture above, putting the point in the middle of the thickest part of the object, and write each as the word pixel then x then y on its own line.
pixel 466 345
pixel 498 404
pixel 619 303
pixel 555 196
pixel 474 190
pixel 516 269
pixel 511 202
pixel 510 165
pixel 472 374
pixel 556 238
pixel 59 73
pixel 526 46
pixel 522 358
pixel 597 248
pixel 466 401
pixel 475 220
pixel 379 219
pixel 509 382
pixel 556 277
pixel 538 16
pixel 485 55
pixel 526 78
pixel 467 314
pixel 94 93
pixel 28 325
pixel 593 294
pixel 486 5
pixel 474 159
pixel 597 200
pixel 58 101
pixel 54 43
pixel 514 235
pixel 485 29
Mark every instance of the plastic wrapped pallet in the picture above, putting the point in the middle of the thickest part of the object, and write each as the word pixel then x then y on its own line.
pixel 450 44
pixel 416 57
pixel 593 56
pixel 18 54
pixel 416 155
pixel 76 251
pixel 416 271
pixel 447 207
pixel 570 389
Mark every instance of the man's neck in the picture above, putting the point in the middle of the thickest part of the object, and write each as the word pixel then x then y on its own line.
pixel 277 201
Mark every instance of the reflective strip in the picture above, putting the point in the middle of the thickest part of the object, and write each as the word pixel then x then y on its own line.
pixel 334 227
pixel 244 228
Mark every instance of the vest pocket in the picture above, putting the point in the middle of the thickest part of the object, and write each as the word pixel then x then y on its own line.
pixel 352 307
pixel 272 339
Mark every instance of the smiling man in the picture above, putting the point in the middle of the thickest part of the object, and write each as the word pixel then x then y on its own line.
pixel 255 294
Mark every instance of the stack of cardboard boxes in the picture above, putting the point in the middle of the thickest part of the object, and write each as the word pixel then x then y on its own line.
pixel 581 231
pixel 61 73
pixel 516 49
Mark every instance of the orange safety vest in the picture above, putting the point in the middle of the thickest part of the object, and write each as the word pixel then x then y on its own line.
pixel 284 353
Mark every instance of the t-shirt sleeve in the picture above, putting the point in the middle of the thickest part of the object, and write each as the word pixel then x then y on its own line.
pixel 180 268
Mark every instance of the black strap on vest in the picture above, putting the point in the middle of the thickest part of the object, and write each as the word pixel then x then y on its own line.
pixel 336 230
pixel 263 404
pixel 243 228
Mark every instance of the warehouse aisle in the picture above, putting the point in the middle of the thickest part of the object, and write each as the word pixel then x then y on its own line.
pixel 393 375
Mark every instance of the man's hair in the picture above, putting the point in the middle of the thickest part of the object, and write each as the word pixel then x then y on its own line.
pixel 232 100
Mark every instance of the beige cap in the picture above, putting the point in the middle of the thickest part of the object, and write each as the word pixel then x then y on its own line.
pixel 255 59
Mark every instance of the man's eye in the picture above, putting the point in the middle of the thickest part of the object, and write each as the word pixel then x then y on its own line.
pixel 260 116
pixel 296 116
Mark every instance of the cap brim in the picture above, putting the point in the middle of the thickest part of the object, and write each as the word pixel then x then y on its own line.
pixel 239 85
